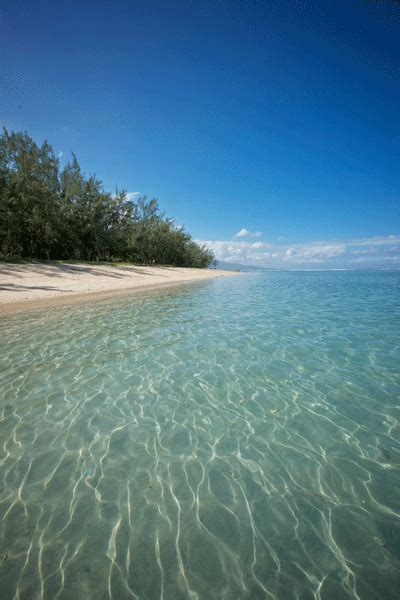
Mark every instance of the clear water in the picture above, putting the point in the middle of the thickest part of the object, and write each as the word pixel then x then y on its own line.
pixel 234 439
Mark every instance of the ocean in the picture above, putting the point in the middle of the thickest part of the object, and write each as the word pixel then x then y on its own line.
pixel 232 439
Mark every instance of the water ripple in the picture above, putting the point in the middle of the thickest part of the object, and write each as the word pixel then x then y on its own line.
pixel 238 439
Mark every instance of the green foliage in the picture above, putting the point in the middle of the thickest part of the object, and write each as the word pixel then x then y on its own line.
pixel 46 213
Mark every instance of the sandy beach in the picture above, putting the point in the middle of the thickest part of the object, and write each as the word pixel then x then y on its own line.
pixel 25 286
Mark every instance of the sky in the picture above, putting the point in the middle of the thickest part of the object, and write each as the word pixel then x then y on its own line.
pixel 270 130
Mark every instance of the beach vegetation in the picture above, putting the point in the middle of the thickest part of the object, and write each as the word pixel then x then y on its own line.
pixel 53 213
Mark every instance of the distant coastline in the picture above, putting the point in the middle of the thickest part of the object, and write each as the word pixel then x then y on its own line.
pixel 29 285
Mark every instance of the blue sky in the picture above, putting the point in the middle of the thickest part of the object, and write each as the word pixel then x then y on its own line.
pixel 278 119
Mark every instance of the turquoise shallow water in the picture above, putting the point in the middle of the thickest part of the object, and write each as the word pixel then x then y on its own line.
pixel 234 439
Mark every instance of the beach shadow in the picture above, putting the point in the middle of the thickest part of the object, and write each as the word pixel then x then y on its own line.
pixel 59 269
pixel 13 287
pixel 10 270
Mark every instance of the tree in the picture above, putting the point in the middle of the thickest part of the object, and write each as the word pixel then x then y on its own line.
pixel 48 214
pixel 28 187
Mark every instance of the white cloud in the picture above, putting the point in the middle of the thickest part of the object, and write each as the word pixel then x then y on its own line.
pixel 246 233
pixel 60 154
pixel 376 241
pixel 132 195
pixel 366 252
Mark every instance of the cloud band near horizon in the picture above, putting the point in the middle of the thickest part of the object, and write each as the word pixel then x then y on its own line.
pixel 378 252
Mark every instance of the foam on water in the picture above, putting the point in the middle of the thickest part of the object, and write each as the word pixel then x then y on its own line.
pixel 235 439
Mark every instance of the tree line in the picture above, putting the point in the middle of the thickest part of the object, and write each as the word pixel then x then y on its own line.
pixel 61 214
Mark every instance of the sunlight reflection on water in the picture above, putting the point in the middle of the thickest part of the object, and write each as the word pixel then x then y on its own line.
pixel 235 439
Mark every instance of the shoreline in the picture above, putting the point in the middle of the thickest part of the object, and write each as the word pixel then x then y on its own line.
pixel 25 286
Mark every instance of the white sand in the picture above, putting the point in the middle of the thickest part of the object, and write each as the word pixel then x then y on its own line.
pixel 27 285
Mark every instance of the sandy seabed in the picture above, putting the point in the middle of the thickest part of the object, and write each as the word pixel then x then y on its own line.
pixel 25 286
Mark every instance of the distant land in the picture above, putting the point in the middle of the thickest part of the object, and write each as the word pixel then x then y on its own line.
pixel 228 266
